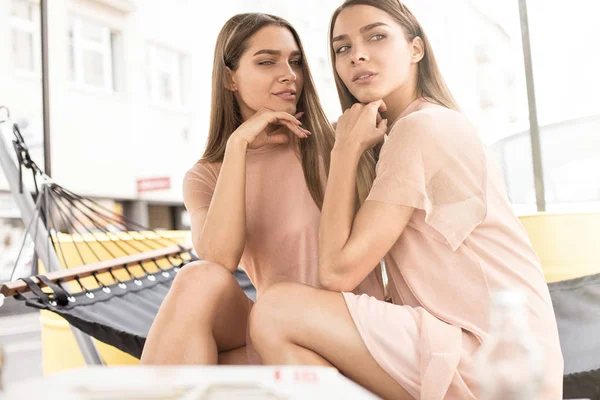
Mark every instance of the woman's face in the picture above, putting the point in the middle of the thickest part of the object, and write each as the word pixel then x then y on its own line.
pixel 269 74
pixel 372 55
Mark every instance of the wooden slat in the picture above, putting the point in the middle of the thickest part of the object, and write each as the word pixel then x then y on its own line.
pixel 19 286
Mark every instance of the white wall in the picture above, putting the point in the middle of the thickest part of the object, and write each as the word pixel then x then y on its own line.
pixel 102 142
pixel 120 137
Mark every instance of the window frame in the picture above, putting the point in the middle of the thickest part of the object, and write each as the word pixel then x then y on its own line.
pixel 78 45
pixel 178 73
pixel 32 28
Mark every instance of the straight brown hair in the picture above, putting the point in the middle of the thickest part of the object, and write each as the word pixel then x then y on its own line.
pixel 225 116
pixel 430 83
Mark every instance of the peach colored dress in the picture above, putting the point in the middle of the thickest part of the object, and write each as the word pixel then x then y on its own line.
pixel 462 243
pixel 282 220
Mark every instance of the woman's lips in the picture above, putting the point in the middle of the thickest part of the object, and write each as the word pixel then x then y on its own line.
pixel 365 78
pixel 286 95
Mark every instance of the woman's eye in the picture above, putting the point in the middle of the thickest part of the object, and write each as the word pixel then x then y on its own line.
pixel 266 63
pixel 296 62
pixel 377 37
pixel 341 49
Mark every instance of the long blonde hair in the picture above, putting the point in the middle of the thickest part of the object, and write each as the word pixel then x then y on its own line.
pixel 430 83
pixel 225 116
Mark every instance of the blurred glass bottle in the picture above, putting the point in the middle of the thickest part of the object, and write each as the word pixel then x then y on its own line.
pixel 509 363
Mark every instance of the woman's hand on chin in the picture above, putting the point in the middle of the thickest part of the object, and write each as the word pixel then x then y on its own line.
pixel 258 130
pixel 361 127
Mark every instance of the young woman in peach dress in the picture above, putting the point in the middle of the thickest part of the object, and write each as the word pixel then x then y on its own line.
pixel 437 213
pixel 255 196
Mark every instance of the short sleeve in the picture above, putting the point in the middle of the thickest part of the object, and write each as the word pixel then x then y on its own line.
pixel 198 187
pixel 433 160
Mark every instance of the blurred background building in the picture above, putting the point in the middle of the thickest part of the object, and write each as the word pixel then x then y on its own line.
pixel 130 85
pixel 130 90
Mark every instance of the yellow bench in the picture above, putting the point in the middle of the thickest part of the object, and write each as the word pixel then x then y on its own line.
pixel 568 244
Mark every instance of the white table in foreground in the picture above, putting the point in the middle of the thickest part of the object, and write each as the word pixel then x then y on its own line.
pixel 191 383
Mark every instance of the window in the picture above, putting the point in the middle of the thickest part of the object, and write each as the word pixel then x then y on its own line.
pixel 165 76
pixel 25 36
pixel 93 54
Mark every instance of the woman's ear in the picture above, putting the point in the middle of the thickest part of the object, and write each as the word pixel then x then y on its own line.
pixel 417 49
pixel 230 83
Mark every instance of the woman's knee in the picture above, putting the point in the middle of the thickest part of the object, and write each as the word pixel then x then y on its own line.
pixel 272 313
pixel 201 279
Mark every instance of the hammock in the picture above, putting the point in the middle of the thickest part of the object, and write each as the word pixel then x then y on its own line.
pixel 122 270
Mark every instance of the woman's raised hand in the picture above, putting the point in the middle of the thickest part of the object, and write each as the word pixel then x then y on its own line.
pixel 360 127
pixel 256 130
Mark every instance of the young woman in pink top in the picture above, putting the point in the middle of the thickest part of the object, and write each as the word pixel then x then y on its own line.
pixel 437 213
pixel 254 197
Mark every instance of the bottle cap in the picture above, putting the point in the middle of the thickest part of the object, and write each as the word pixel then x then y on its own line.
pixel 508 299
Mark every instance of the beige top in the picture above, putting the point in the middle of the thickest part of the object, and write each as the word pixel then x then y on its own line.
pixel 282 219
pixel 463 241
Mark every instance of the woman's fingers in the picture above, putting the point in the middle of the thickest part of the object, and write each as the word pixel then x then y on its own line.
pixel 287 120
pixel 295 129
pixel 302 133
pixel 281 115
pixel 372 110
pixel 306 131
pixel 383 125
pixel 379 104
pixel 363 123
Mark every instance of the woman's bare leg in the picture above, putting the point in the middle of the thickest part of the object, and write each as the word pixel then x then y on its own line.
pixel 295 324
pixel 203 319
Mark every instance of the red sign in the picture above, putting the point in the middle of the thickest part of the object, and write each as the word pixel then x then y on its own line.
pixel 153 184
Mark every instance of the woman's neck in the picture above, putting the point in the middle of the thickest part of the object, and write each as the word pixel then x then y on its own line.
pixel 397 102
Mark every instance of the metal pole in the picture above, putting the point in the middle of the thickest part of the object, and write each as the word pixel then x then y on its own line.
pixel 46 253
pixel 45 87
pixel 86 345
pixel 534 129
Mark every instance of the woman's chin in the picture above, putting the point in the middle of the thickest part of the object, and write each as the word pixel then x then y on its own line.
pixel 290 109
pixel 366 98
pixel 368 95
